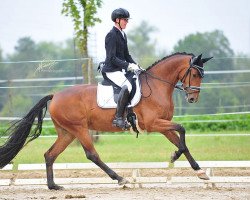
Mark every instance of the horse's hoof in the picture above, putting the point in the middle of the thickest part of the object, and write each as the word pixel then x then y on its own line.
pixel 202 174
pixel 55 187
pixel 123 181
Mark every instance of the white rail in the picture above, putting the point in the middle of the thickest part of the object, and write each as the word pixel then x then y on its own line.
pixel 136 179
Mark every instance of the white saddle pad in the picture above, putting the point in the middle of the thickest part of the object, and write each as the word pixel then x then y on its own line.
pixel 105 96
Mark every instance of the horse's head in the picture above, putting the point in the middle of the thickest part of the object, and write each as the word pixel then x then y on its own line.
pixel 191 80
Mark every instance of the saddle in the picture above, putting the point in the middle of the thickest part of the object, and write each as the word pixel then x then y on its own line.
pixel 107 93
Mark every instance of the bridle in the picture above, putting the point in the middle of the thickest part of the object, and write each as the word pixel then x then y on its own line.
pixel 194 89
pixel 186 89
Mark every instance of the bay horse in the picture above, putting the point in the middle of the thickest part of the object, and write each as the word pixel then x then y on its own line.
pixel 74 111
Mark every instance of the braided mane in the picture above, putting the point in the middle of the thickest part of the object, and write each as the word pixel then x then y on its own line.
pixel 177 53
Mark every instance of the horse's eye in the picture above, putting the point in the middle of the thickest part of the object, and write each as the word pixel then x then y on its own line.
pixel 195 75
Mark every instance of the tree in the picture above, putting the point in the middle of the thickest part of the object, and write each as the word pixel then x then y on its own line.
pixel 16 106
pixel 1 54
pixel 217 45
pixel 210 44
pixel 25 50
pixel 2 76
pixel 242 62
pixel 83 14
pixel 2 67
pixel 141 46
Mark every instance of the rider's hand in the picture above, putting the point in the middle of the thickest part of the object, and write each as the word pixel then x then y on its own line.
pixel 133 67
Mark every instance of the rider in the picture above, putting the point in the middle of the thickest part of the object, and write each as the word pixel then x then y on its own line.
pixel 118 62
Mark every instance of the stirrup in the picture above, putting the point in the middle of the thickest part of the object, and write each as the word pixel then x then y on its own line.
pixel 121 123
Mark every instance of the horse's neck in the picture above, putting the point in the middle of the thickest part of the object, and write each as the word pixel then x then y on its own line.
pixel 168 70
pixel 165 76
pixel 158 85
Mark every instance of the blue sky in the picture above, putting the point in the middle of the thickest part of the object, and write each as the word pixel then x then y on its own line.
pixel 42 20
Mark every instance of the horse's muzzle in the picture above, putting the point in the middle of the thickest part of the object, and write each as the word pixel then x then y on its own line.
pixel 192 100
pixel 192 97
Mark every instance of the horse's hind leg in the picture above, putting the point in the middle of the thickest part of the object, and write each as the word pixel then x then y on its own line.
pixel 63 140
pixel 173 137
pixel 92 155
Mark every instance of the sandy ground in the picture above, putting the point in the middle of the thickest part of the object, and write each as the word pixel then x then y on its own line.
pixel 152 193
pixel 115 192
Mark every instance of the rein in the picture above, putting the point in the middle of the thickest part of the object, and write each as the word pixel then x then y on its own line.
pixel 181 88
pixel 162 80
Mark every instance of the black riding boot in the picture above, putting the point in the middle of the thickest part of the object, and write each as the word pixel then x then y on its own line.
pixel 122 102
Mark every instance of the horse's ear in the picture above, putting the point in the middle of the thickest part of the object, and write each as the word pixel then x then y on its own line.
pixel 206 59
pixel 195 60
pixel 199 57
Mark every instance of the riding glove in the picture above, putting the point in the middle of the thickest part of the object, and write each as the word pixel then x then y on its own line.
pixel 133 67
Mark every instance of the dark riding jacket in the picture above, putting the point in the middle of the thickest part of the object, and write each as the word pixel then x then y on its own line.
pixel 117 54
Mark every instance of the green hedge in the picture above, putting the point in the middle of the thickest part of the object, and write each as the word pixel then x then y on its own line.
pixel 238 122
pixel 234 122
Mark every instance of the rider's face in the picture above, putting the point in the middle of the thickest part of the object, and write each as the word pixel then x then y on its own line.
pixel 123 22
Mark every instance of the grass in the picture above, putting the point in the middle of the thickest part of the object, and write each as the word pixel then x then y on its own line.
pixel 147 148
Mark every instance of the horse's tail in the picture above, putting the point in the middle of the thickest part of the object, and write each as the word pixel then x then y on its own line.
pixel 19 131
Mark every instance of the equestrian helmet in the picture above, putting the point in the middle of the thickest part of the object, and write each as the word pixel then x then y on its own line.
pixel 119 13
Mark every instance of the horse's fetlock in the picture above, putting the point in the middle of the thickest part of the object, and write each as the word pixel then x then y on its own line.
pixel 195 166
pixel 177 154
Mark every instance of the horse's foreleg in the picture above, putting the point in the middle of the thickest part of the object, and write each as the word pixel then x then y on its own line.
pixel 172 137
pixel 168 129
pixel 92 155
pixel 163 126
pixel 63 140
pixel 179 142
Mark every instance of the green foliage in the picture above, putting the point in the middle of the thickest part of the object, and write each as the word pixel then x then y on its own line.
pixel 28 50
pixel 209 43
pixel 142 47
pixel 19 103
pixel 83 14
pixel 215 123
pixel 213 99
pixel 242 79
pixel 1 52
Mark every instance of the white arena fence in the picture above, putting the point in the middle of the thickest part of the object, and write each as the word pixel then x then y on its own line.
pixel 136 180
pixel 54 75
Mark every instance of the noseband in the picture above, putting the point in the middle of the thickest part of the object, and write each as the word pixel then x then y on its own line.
pixel 194 89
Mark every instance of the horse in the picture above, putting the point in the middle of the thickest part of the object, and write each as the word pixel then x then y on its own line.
pixel 74 111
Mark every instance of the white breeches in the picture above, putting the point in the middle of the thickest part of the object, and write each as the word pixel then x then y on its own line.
pixel 119 79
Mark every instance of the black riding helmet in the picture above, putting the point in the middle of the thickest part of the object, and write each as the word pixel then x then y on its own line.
pixel 119 13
